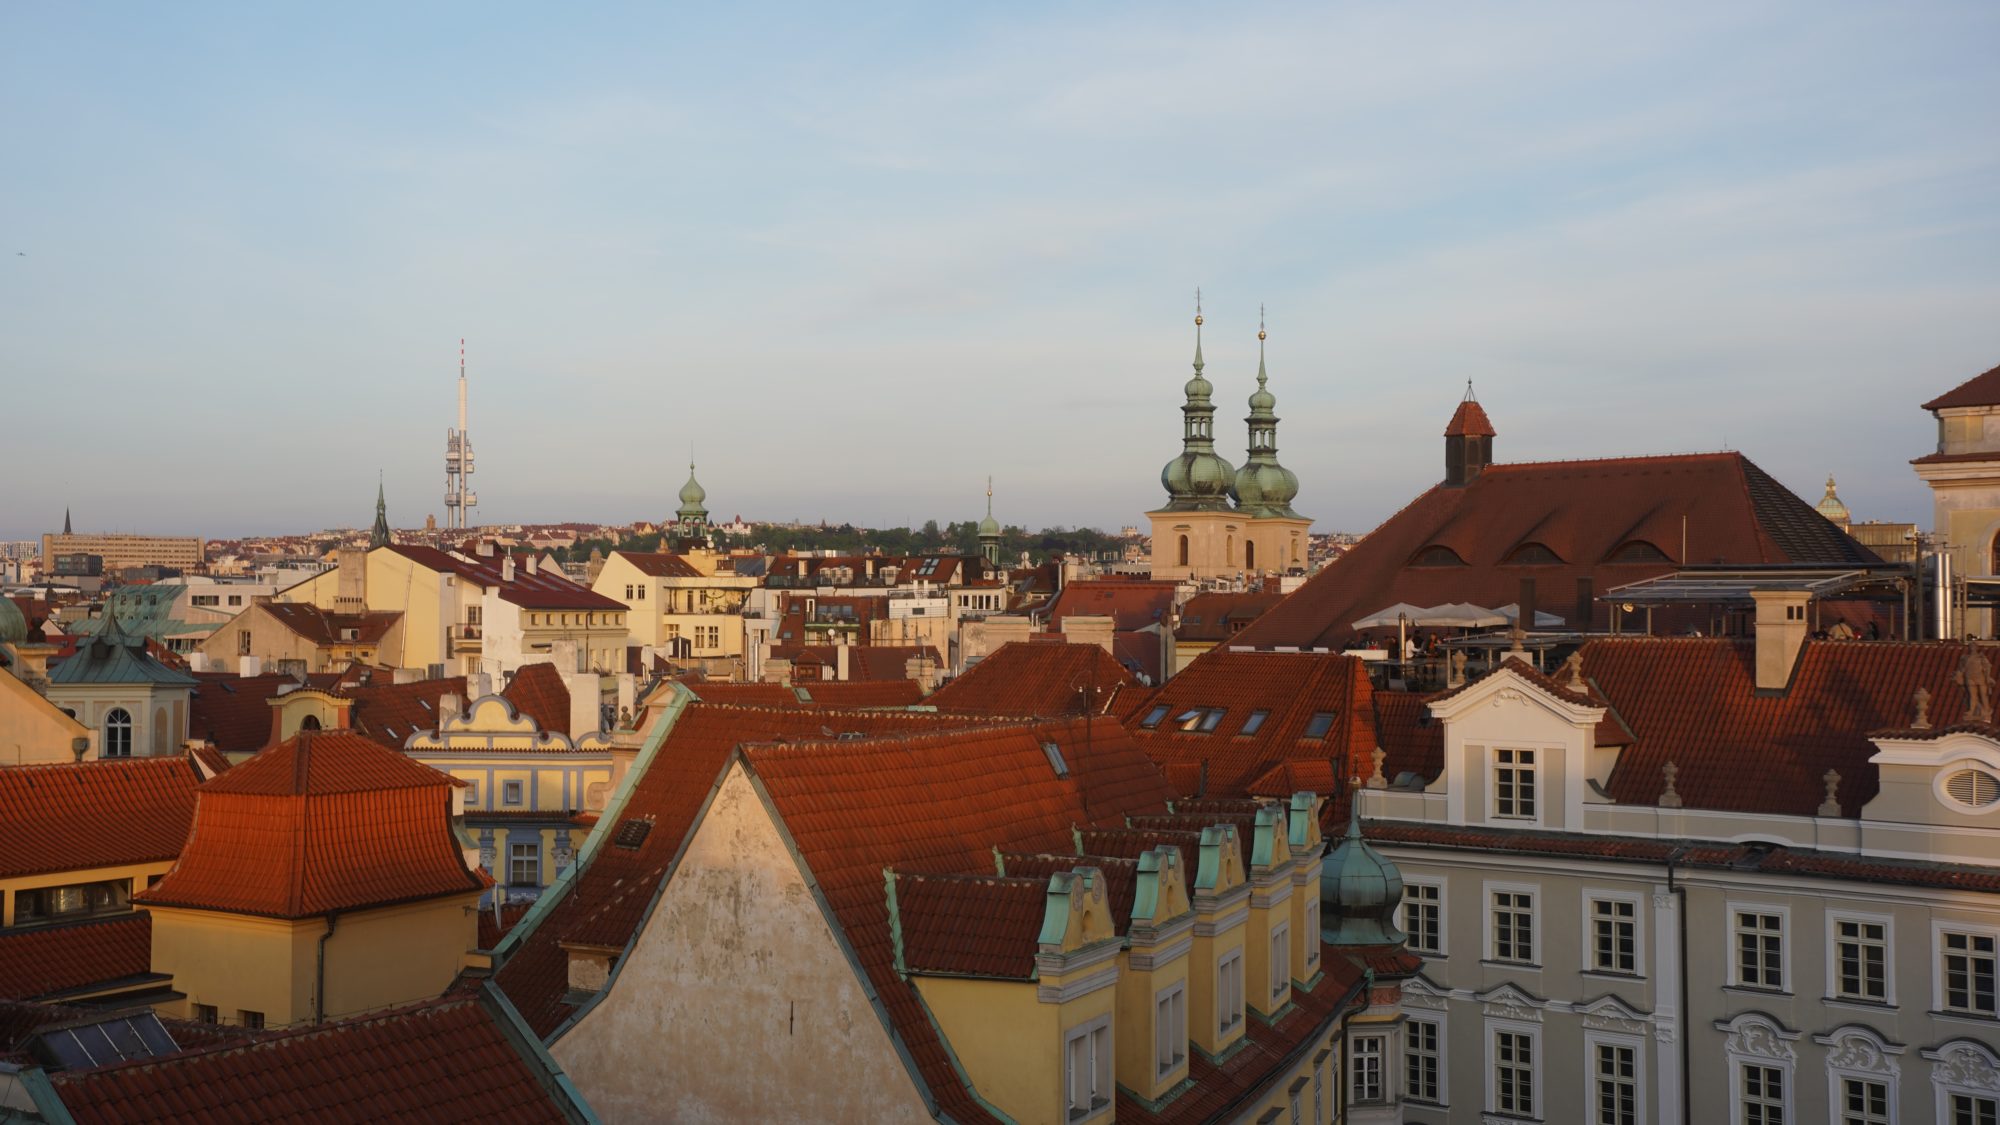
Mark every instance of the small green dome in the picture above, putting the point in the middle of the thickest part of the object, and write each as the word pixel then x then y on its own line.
pixel 989 527
pixel 13 626
pixel 1196 475
pixel 1359 892
pixel 692 492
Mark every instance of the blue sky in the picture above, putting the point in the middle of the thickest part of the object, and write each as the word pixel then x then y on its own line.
pixel 859 259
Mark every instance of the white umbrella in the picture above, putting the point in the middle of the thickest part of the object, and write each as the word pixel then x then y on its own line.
pixel 1395 614
pixel 1512 612
pixel 1459 615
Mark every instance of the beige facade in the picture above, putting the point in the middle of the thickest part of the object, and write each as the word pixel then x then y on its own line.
pixel 32 729
pixel 275 646
pixel 181 552
pixel 1205 546
pixel 689 612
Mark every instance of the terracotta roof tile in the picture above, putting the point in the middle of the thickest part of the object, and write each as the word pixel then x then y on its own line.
pixel 1980 390
pixel 538 691
pixel 321 822
pixel 234 712
pixel 80 815
pixel 1469 420
pixel 1218 615
pixel 969 925
pixel 52 960
pixel 546 588
pixel 448 1061
pixel 324 627
pixel 822 694
pixel 1130 604
pixel 389 713
pixel 1121 876
pixel 1037 679
pixel 661 565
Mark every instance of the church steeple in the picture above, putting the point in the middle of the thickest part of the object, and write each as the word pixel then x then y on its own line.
pixel 691 520
pixel 66 530
pixel 1198 480
pixel 989 531
pixel 1264 489
pixel 1468 441
pixel 378 536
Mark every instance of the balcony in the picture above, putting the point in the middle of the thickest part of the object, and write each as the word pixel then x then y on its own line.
pixel 463 639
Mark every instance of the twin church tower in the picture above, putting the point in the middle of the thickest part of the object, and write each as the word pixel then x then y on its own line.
pixel 1219 521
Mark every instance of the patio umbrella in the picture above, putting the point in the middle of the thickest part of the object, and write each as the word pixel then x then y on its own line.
pixel 1459 615
pixel 1512 611
pixel 1383 619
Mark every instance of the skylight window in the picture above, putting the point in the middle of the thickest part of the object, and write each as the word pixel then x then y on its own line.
pixel 1055 756
pixel 1209 721
pixel 1187 719
pixel 1255 722
pixel 1322 721
pixel 1153 717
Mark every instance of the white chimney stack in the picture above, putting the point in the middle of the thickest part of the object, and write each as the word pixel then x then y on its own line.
pixel 247 666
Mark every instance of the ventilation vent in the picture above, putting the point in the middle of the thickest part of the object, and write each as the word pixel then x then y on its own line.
pixel 1975 789
pixel 631 833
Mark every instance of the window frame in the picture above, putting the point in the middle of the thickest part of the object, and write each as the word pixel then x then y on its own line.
pixel 1102 1069
pixel 1491 926
pixel 1532 769
pixel 1358 1071
pixel 1592 1042
pixel 116 736
pixel 1436 1054
pixel 514 858
pixel 1833 942
pixel 1739 1086
pixel 1322 720
pixel 1227 1004
pixel 1939 928
pixel 1173 1001
pixel 1591 897
pixel 1734 945
pixel 1439 884
pixel 1836 1093
pixel 513 792
pixel 1279 966
pixel 1532 1034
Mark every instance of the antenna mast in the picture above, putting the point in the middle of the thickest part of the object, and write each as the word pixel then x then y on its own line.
pixel 458 495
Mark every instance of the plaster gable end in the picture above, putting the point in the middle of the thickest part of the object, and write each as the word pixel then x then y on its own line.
pixel 1936 752
pixel 736 1001
pixel 1507 690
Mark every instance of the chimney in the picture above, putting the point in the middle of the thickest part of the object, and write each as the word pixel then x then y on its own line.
pixel 507 568
pixel 534 564
pixel 478 684
pixel 248 666
pixel 1527 605
pixel 197 662
pixel 484 547
pixel 1781 633
pixel 407 676
pixel 840 662
pixel 450 706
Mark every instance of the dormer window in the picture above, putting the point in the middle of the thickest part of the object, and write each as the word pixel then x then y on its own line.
pixel 1437 556
pixel 1321 722
pixel 1533 554
pixel 1638 551
pixel 1200 720
pixel 1972 787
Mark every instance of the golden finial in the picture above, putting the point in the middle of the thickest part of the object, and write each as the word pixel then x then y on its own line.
pixel 1197 307
pixel 1260 321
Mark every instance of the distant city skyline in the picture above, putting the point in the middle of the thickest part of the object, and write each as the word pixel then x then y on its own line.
pixel 860 260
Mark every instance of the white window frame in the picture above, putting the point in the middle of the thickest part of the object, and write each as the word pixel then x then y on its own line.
pixel 471 792
pixel 1740 1111
pixel 1954 1065
pixel 1591 897
pixel 1592 1040
pixel 1229 990
pixel 1356 1071
pixel 1855 1052
pixel 1535 928
pixel 1533 768
pixel 513 793
pixel 1888 924
pixel 1784 914
pixel 1280 964
pixel 1538 1090
pixel 1940 927
pixel 1437 1027
pixel 1101 1063
pixel 512 859
pixel 1837 1095
pixel 1438 884
pixel 1170 1026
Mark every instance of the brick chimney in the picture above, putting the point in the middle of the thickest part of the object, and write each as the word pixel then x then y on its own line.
pixel 1781 632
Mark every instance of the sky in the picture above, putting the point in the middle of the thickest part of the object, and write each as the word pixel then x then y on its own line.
pixel 855 259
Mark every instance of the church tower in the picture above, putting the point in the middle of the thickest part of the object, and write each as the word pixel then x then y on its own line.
pixel 989 531
pixel 378 536
pixel 691 520
pixel 1274 538
pixel 1468 442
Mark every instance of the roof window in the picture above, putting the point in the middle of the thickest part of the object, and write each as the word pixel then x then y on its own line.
pixel 1153 717
pixel 632 832
pixel 1533 554
pixel 1322 721
pixel 1200 720
pixel 1638 551
pixel 1055 756
pixel 1437 556
pixel 1255 722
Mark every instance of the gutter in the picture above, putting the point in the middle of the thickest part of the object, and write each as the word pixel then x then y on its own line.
pixel 319 970
pixel 1679 891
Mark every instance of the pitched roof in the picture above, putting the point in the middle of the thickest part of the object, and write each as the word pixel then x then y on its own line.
pixel 605 899
pixel 819 694
pixel 323 627
pixel 1217 615
pixel 1130 604
pixel 389 713
pixel 116 657
pixel 1037 679
pixel 543 588
pixel 445 1061
pixel 1290 688
pixel 865 663
pixel 660 565
pixel 1980 390
pixel 538 691
pixel 969 925
pixel 323 821
pixel 234 712
pixel 74 816
pixel 1469 420
pixel 53 960
pixel 1692 701
pixel 1606 522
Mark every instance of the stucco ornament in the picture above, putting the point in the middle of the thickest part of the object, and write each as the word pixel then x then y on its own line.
pixel 1760 1040
pixel 1963 1065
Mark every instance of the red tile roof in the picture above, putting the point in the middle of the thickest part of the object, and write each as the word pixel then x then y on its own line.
pixel 1692 701
pixel 322 627
pixel 822 693
pixel 1469 420
pixel 1290 687
pixel 1218 615
pixel 52 960
pixel 661 565
pixel 969 925
pixel 446 1061
pixel 1037 679
pixel 605 900
pixel 1121 876
pixel 75 816
pixel 389 713
pixel 320 822
pixel 234 712
pixel 546 588
pixel 538 691
pixel 1587 513
pixel 1130 604
pixel 878 663
pixel 1980 390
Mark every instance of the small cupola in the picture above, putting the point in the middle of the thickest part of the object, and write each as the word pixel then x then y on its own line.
pixel 1360 892
pixel 1468 441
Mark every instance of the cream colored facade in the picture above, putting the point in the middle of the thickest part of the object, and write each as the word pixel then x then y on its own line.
pixel 1614 946
pixel 1207 546
pixel 255 633
pixel 181 552
pixel 158 713
pixel 33 730
pixel 689 618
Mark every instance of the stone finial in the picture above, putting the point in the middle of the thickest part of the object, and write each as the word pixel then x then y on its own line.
pixel 1377 780
pixel 1923 703
pixel 1455 676
pixel 1517 636
pixel 1670 798
pixel 1574 666
pixel 1830 806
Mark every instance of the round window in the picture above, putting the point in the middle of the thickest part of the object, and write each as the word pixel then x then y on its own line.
pixel 1974 788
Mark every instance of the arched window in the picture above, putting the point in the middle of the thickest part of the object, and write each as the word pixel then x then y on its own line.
pixel 1533 554
pixel 117 733
pixel 1184 551
pixel 1249 554
pixel 1437 556
pixel 310 722
pixel 1639 551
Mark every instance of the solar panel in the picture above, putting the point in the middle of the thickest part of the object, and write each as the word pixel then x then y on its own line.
pixel 137 1036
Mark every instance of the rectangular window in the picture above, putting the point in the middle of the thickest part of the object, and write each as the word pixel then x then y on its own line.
pixel 1153 717
pixel 1763 1095
pixel 1281 961
pixel 1229 991
pixel 1319 724
pixel 1969 969
pixel 206 1013
pixel 72 901
pixel 1514 927
pixel 511 793
pixel 1973 1109
pixel 236 599
pixel 205 599
pixel 1760 945
pixel 1170 1035
pixel 1514 783
pixel 524 865
pixel 1312 934
pixel 1614 935
pixel 1087 1068
pixel 250 1019
pixel 1514 1073
pixel 1423 917
pixel 1364 1068
pixel 1864 1101
pixel 1421 1061
pixel 242 642
pixel 1255 722
pixel 471 794
pixel 1861 960
pixel 642 593
pixel 1617 1084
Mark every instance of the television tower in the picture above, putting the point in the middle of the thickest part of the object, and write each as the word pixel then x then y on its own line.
pixel 459 498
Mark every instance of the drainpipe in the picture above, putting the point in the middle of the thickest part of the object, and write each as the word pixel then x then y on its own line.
pixel 1681 909
pixel 319 970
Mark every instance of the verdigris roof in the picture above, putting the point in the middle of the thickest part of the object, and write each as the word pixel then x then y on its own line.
pixel 114 656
